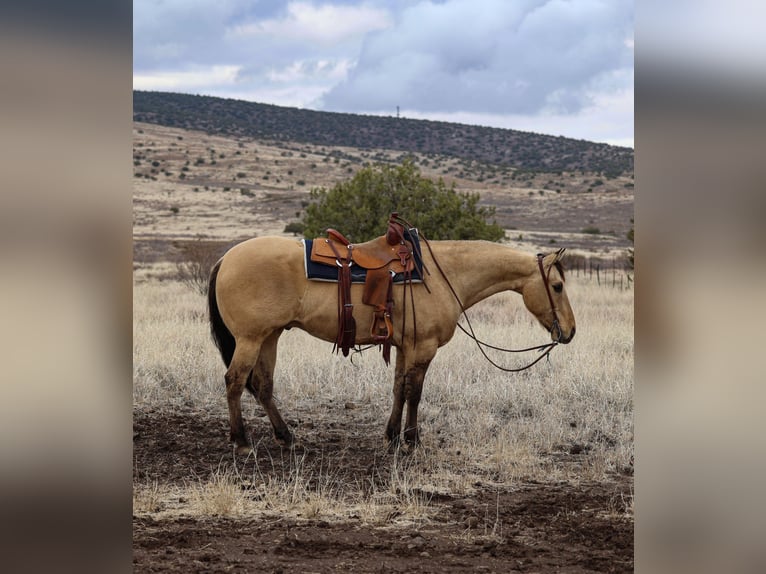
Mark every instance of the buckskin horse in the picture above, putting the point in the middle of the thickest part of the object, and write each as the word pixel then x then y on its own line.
pixel 259 288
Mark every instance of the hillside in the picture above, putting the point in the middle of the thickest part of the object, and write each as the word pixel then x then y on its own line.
pixel 188 184
pixel 501 147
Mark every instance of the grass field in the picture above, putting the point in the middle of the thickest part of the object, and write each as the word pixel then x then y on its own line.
pixel 569 419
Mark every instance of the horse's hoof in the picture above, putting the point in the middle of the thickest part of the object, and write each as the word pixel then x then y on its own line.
pixel 289 445
pixel 412 438
pixel 285 438
pixel 395 446
pixel 294 445
pixel 246 450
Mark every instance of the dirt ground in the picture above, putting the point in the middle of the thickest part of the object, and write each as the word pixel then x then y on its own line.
pixel 537 526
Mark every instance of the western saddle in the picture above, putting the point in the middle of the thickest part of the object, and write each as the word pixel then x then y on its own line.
pixel 383 258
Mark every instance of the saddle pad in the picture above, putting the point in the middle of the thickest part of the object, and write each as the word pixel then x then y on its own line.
pixel 319 272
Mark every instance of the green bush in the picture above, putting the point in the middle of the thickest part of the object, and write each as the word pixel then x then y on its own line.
pixel 359 208
pixel 294 227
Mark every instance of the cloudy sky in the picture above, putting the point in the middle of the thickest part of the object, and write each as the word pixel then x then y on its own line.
pixel 560 67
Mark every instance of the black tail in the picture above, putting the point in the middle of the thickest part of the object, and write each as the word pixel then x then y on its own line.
pixel 223 338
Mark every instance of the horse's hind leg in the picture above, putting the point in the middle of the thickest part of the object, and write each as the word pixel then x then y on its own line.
pixel 264 388
pixel 245 357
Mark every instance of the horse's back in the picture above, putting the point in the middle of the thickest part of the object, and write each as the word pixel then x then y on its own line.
pixel 260 282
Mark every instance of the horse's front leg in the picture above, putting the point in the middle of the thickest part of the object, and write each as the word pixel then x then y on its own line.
pixel 413 387
pixel 394 426
pixel 408 387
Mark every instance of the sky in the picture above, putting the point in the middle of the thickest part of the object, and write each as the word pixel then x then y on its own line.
pixel 558 67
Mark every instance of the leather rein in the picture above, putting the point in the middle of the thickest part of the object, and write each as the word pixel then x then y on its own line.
pixel 544 349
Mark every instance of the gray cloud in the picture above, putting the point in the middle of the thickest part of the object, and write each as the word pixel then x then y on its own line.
pixel 492 57
pixel 177 34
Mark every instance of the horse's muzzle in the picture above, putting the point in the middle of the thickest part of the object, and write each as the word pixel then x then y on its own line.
pixel 565 340
pixel 557 334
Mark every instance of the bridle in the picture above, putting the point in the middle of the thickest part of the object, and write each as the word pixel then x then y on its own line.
pixel 546 282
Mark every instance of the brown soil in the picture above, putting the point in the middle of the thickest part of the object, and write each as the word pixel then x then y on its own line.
pixel 524 527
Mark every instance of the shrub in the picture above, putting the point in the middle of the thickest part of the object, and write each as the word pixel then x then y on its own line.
pixel 360 207
pixel 197 259
pixel 591 230
pixel 294 227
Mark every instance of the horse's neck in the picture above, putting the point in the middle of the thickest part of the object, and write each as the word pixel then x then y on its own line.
pixel 478 269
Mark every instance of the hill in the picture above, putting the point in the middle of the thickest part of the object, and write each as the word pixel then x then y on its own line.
pixel 503 147
pixel 189 184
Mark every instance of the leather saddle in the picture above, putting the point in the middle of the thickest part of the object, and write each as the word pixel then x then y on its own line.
pixel 383 257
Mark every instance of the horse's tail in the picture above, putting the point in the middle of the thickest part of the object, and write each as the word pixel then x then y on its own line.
pixel 222 337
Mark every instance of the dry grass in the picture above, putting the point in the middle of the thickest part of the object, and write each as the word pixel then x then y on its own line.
pixel 299 494
pixel 173 357
pixel 219 495
pixel 479 424
pixel 148 497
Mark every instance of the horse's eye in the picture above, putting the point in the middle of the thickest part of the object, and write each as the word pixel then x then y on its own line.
pixel 558 287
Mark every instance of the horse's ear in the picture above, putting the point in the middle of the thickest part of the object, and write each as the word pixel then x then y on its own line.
pixel 553 258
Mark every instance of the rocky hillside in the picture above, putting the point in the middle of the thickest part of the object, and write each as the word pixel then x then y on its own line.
pixel 513 148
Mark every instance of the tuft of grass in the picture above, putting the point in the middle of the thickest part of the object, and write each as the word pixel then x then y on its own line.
pixel 147 498
pixel 220 495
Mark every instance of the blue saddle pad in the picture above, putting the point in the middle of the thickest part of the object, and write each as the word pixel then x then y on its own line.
pixel 320 272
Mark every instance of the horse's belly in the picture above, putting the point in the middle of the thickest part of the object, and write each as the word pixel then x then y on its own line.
pixel 319 312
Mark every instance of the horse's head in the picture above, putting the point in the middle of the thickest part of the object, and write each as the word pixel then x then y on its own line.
pixel 546 298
